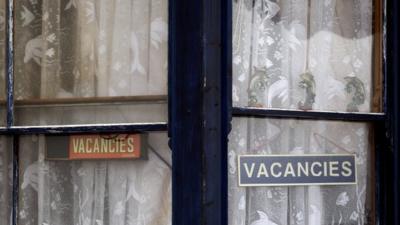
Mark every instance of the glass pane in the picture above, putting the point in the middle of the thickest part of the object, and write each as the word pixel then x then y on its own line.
pixel 5 179
pixel 305 205
pixel 70 52
pixel 307 55
pixel 121 191
pixel 92 113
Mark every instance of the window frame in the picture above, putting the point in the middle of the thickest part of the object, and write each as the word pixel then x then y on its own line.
pixel 9 129
pixel 385 125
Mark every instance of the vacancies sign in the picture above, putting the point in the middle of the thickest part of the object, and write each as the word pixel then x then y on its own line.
pixel 296 170
pixel 95 146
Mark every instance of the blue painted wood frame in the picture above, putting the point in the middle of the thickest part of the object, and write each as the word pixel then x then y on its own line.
pixel 226 87
pixel 391 185
pixel 199 95
pixel 186 78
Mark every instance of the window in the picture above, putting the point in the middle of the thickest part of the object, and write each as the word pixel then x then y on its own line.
pixel 298 65
pixel 305 77
pixel 85 72
pixel 85 62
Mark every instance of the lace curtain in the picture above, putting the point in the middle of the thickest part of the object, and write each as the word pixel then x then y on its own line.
pixel 307 55
pixel 98 192
pixel 92 48
pixel 86 48
pixel 313 205
pixel 303 54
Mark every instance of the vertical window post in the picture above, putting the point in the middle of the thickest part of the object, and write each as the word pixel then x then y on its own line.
pixel 185 104
pixel 393 107
pixel 199 101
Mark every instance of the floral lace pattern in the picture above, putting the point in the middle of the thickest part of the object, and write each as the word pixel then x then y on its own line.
pixel 307 54
pixel 303 205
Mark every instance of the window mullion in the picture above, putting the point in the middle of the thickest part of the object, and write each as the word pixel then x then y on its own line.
pixel 86 128
pixel 314 115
